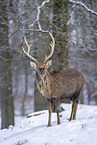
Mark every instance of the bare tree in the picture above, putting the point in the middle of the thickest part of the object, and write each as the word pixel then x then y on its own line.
pixel 7 108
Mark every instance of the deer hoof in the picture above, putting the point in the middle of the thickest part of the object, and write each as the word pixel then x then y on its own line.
pixel 69 119
pixel 49 125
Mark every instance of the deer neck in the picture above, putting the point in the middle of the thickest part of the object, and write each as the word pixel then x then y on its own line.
pixel 44 84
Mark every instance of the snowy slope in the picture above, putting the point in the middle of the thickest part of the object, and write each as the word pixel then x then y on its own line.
pixel 33 130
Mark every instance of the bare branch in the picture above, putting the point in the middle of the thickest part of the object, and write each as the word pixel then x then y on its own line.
pixel 80 3
pixel 93 95
pixel 38 16
pixel 11 59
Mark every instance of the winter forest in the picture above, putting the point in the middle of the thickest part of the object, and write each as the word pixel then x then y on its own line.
pixel 73 25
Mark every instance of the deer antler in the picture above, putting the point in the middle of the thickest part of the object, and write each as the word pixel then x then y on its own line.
pixel 52 46
pixel 47 57
pixel 27 53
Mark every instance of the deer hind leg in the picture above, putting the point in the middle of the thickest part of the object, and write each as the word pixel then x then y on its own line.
pixel 57 101
pixel 75 109
pixel 50 104
pixel 72 111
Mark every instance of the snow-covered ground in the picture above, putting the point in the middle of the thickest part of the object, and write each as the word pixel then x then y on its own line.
pixel 34 130
pixel 17 118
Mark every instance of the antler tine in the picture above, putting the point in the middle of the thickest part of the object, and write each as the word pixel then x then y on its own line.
pixel 27 53
pixel 52 44
pixel 27 45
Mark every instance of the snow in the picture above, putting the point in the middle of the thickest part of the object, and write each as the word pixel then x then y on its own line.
pixel 34 130
pixel 17 118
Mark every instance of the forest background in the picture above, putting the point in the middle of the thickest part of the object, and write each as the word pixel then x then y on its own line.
pixel 74 27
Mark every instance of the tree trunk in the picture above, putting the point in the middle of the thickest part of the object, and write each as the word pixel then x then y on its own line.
pixel 4 108
pixel 7 107
pixel 60 15
pixel 60 56
pixel 26 89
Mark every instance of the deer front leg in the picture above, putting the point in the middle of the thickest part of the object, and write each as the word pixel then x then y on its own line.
pixel 58 110
pixel 50 104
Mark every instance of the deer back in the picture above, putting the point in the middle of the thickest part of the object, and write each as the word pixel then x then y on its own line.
pixel 66 83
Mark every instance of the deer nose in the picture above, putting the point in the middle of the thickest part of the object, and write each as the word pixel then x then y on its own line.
pixel 41 71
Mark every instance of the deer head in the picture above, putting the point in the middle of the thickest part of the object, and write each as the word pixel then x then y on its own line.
pixel 41 68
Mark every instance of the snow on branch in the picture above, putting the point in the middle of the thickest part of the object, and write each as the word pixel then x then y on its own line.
pixel 38 17
pixel 80 3
pixel 4 58
pixel 94 94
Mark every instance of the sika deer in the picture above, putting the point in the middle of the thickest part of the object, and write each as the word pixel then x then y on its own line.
pixel 58 84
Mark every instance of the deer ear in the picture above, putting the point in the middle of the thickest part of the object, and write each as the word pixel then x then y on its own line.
pixel 49 63
pixel 33 65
